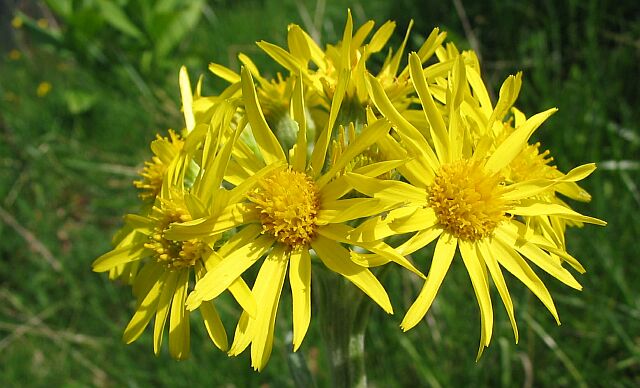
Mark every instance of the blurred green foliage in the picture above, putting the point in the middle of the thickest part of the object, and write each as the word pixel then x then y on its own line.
pixel 68 155
pixel 104 33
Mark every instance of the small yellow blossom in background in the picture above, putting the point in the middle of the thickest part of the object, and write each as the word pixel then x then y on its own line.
pixel 43 23
pixel 17 22
pixel 43 88
pixel 10 97
pixel 14 55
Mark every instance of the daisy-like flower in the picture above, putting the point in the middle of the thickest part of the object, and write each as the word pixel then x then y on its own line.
pixel 458 195
pixel 164 149
pixel 321 70
pixel 168 164
pixel 296 209
pixel 162 283
pixel 168 266
pixel 530 163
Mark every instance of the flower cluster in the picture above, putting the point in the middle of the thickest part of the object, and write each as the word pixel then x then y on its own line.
pixel 322 167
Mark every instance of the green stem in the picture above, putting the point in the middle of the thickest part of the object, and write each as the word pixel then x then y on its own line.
pixel 343 315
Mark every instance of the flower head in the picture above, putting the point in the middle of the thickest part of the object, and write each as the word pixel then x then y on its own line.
pixel 298 208
pixel 458 195
pixel 165 150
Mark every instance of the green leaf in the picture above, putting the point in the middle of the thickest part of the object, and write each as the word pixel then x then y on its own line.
pixel 178 27
pixel 79 101
pixel 62 8
pixel 118 19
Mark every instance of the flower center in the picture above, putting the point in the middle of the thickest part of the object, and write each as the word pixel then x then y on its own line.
pixel 467 200
pixel 173 254
pixel 288 203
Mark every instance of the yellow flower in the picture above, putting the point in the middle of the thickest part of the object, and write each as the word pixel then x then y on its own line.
pixel 295 208
pixel 457 194
pixel 43 89
pixel 160 267
pixel 14 54
pixel 165 150
pixel 17 22
pixel 530 163
pixel 162 282
pixel 42 23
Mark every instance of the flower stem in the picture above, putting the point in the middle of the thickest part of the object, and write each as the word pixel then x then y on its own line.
pixel 343 315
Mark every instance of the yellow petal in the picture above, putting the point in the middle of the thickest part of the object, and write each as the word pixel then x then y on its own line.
pixel 378 228
pixel 272 275
pixel 369 135
pixel 489 259
pixel 144 312
pixel 419 240
pixel 552 209
pixel 508 94
pixel 361 34
pixel 243 295
pixel 512 145
pixel 381 37
pixel 369 260
pixel 345 44
pixel 480 288
pixel 187 99
pixel 394 64
pixel 438 129
pixel 412 136
pixel 299 160
pixel 442 258
pixel 416 170
pixel 388 190
pixel 148 276
pixel 320 149
pixel 433 41
pixel 336 258
pixel 379 168
pixel 224 72
pixel 230 217
pixel 166 296
pixel 479 91
pixel 179 328
pixel 214 326
pixel 140 223
pixel 119 256
pixel 239 192
pixel 298 45
pixel 300 279
pixel 220 277
pixel 265 138
pixel 280 55
pixel 350 209
pixel 340 233
pixel 514 263
pixel 541 259
pixel 420 219
pixel 245 330
pixel 212 322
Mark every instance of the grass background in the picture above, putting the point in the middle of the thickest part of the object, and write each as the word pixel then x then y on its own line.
pixel 67 159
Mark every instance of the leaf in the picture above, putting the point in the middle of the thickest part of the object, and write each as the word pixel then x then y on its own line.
pixel 118 19
pixel 178 27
